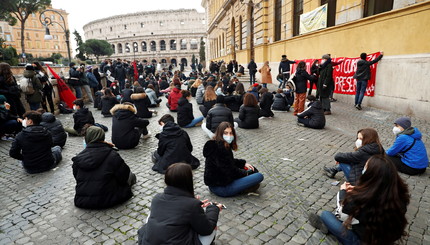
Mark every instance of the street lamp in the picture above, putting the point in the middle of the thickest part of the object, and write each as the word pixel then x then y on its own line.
pixel 46 21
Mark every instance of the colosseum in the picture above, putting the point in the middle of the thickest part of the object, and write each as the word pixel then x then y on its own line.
pixel 166 36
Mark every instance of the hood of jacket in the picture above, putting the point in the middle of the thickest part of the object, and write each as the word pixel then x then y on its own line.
pixel 93 156
pixel 171 130
pixel 29 74
pixel 35 133
pixel 121 111
pixel 316 104
pixel 413 132
pixel 278 95
pixel 138 96
pixel 48 117
pixel 372 149
pixel 182 101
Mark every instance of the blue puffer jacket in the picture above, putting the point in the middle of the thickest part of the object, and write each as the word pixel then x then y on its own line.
pixel 416 157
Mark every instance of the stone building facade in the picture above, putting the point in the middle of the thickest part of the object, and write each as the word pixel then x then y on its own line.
pixel 166 36
pixel 264 30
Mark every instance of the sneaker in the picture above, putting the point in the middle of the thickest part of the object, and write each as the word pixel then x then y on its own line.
pixel 317 223
pixel 7 138
pixel 155 112
pixel 359 107
pixel 330 172
pixel 300 124
pixel 327 113
pixel 333 100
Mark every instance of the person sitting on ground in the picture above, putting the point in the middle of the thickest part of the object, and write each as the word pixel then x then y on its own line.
pixel 200 93
pixel 55 127
pixel 218 114
pixel 33 146
pixel 280 102
pixel 209 100
pixel 142 102
pixel 150 92
pixel 352 163
pixel 185 112
pixel 127 127
pixel 195 86
pixel 408 152
pixel 313 116
pixel 254 90
pixel 241 71
pixel 174 97
pixel 219 88
pixel 249 113
pixel 103 179
pixel 115 89
pixel 178 214
pixel 373 211
pixel 108 102
pixel 174 145
pixel 10 125
pixel 235 100
pixel 224 175
pixel 81 117
pixel 126 93
pixel 266 103
pixel 289 94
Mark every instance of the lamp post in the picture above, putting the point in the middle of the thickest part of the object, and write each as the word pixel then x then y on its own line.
pixel 46 21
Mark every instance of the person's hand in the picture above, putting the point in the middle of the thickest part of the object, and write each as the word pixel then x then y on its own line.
pixel 19 120
pixel 219 205
pixel 7 106
pixel 249 166
pixel 337 162
pixel 205 203
pixel 343 186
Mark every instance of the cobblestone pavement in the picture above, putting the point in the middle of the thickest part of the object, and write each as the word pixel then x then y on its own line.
pixel 38 209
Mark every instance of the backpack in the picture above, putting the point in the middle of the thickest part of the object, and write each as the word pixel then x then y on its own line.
pixel 26 86
pixel 64 108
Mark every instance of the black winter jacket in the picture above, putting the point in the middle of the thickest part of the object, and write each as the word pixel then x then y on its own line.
pixel 177 218
pixel 207 105
pixel 316 114
pixel 120 72
pixel 81 117
pixel 358 159
pixel 363 68
pixel 252 67
pixel 124 124
pixel 248 117
pixel 280 103
pixel 55 127
pixel 33 146
pixel 174 146
pixel 126 93
pixel 234 101
pixel 325 78
pixel 266 105
pixel 284 66
pixel 185 112
pixel 142 102
pixel 221 168
pixel 108 102
pixel 218 114
pixel 101 177
pixel 302 77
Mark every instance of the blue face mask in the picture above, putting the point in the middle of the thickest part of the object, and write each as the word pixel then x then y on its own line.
pixel 228 138
pixel 84 143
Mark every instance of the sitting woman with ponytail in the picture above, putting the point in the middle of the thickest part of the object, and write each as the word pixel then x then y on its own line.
pixel 225 175
pixel 373 211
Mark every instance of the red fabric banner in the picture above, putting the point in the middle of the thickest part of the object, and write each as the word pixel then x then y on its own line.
pixel 136 74
pixel 343 73
pixel 66 94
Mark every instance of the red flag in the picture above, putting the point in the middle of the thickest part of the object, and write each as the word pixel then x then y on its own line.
pixel 136 74
pixel 66 94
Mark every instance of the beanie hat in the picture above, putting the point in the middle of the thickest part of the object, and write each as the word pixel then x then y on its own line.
pixel 404 122
pixel 29 67
pixel 255 85
pixel 220 99
pixel 2 99
pixel 326 56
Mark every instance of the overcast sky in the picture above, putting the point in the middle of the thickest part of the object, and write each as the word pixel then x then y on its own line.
pixel 83 11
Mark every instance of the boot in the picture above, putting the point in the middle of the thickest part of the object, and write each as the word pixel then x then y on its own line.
pixel 331 172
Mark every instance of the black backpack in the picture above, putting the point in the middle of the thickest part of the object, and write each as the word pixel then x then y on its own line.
pixel 64 109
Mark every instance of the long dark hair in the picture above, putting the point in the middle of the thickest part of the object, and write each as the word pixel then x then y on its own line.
pixel 220 132
pixel 383 196
pixel 6 72
pixel 370 135
pixel 240 89
pixel 180 175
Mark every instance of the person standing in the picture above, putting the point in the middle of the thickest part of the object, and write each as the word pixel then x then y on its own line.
pixel 315 71
pixel 252 67
pixel 284 70
pixel 74 81
pixel 33 98
pixel 47 88
pixel 362 75
pixel 301 79
pixel 120 74
pixel 325 83
pixel 266 76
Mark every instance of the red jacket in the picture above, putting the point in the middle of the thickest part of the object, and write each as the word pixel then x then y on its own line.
pixel 174 96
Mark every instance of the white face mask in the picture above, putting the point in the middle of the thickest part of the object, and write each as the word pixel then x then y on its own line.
pixel 396 130
pixel 24 123
pixel 114 87
pixel 228 138
pixel 307 103
pixel 161 128
pixel 358 143
pixel 74 107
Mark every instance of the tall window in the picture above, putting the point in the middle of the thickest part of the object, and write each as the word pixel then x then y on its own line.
pixel 119 48
pixel 372 7
pixel 135 47
pixel 127 48
pixel 172 44
pixel 153 45
pixel 113 48
pixel 183 44
pixel 240 32
pixel 298 10
pixel 331 12
pixel 194 44
pixel 144 47
pixel 278 20
pixel 162 45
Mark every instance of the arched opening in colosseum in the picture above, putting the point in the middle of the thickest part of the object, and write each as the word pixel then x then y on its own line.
pixel 154 61
pixel 113 48
pixel 194 44
pixel 173 62
pixel 183 44
pixel 172 44
pixel 162 45
pixel 119 48
pixel 153 46
pixel 184 61
pixel 163 61
pixel 127 48
pixel 144 47
pixel 135 47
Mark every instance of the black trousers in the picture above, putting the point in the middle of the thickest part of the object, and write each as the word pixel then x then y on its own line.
pixel 47 96
pixel 403 168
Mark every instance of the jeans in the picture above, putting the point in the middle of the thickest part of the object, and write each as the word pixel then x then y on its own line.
pixel 78 91
pixel 237 186
pixel 325 102
pixel 251 78
pixel 89 93
pixel 285 77
pixel 56 153
pixel 34 105
pixel 346 169
pixel 359 91
pixel 194 122
pixel 336 228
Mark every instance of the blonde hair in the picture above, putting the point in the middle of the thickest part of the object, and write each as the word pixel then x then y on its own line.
pixel 197 83
pixel 209 94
